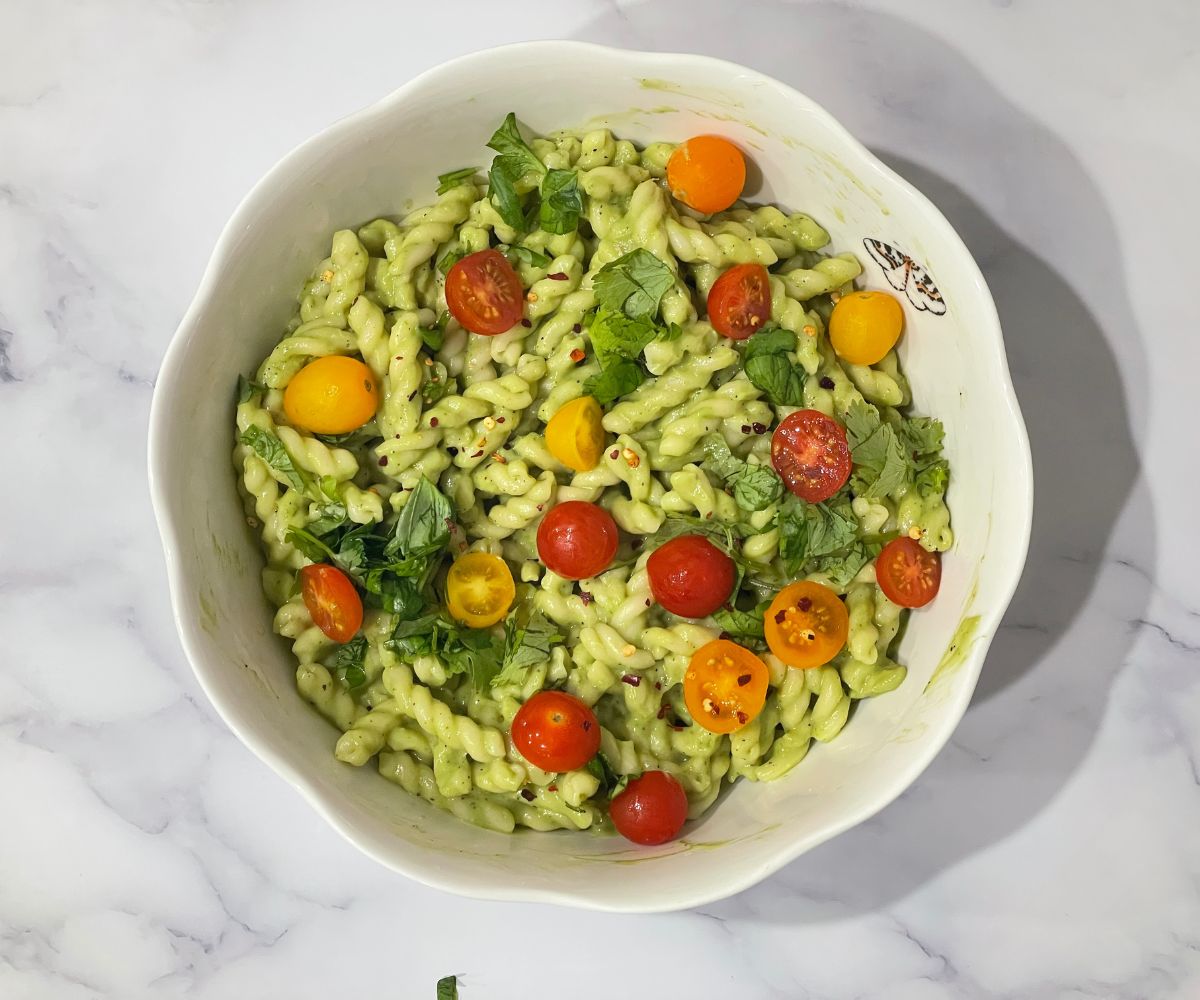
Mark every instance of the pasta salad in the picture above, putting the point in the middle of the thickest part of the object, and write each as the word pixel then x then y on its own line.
pixel 588 488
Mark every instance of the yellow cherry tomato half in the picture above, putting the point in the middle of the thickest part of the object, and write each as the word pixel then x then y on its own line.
pixel 479 589
pixel 575 435
pixel 706 173
pixel 806 625
pixel 332 395
pixel 864 326
pixel 725 686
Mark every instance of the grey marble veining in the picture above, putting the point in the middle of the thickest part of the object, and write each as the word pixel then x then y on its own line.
pixel 1051 850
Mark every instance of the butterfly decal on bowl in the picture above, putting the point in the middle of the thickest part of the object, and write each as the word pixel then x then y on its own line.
pixel 905 275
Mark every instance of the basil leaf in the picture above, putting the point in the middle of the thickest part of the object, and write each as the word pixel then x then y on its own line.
pixel 447 988
pixel 434 336
pixel 423 526
pixel 449 259
pixel 562 202
pixel 755 487
pixel 437 382
pixel 312 547
pixel 611 783
pixel 769 367
pixel 718 459
pixel 454 178
pixel 808 530
pixel 507 141
pixel 246 389
pixel 525 646
pixel 842 567
pixel 771 339
pixel 633 284
pixel 271 450
pixel 742 626
pixel 615 336
pixel 683 524
pixel 615 382
pixel 347 662
pixel 502 179
pixel 330 517
pixel 398 595
pixel 523 255
pixel 880 467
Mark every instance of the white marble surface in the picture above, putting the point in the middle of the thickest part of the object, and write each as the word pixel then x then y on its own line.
pixel 1050 852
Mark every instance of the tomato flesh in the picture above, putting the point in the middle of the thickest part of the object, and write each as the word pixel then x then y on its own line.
pixel 908 573
pixel 577 540
pixel 651 809
pixel 739 302
pixel 484 293
pixel 556 731
pixel 332 601
pixel 811 455
pixel 690 577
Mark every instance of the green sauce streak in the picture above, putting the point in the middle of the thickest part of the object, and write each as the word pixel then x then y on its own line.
pixel 956 652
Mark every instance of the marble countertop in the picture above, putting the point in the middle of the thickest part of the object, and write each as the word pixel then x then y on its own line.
pixel 1051 850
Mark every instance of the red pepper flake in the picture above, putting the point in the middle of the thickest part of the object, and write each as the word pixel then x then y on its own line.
pixel 382 461
pixel 577 355
pixel 724 635
pixel 780 617
pixel 743 680
pixel 745 428
pixel 586 597
pixel 499 420
pixel 525 323
pixel 557 276
pixel 541 507
pixel 577 328
pixel 743 718
pixel 658 685
pixel 631 679
pixel 826 382
pixel 527 795
pixel 552 788
pixel 759 428
pixel 451 450
pixel 478 454
pixel 413 395
pixel 678 728
pixel 615 454
pixel 433 421
pixel 586 725
pixel 804 604
pixel 662 712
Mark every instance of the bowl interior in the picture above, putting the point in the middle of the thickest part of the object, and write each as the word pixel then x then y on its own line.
pixel 384 161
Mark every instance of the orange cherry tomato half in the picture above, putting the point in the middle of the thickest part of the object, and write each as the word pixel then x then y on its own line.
pixel 864 326
pixel 651 809
pixel 739 302
pixel 577 540
pixel 706 173
pixel 479 589
pixel 908 573
pixel 332 601
pixel 484 293
pixel 691 577
pixel 810 453
pixel 575 435
pixel 331 395
pixel 725 686
pixel 806 625
pixel 556 731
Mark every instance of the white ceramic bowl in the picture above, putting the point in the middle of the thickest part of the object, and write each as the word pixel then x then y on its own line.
pixel 381 161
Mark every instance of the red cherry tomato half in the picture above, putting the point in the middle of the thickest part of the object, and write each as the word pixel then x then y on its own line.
pixel 809 450
pixel 651 810
pixel 691 577
pixel 739 302
pixel 908 573
pixel 332 601
pixel 556 731
pixel 577 540
pixel 484 293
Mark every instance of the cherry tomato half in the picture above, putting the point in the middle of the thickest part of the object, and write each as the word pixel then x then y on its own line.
pixel 332 601
pixel 810 452
pixel 651 809
pixel 806 625
pixel 575 435
pixel 691 577
pixel 739 301
pixel 331 395
pixel 577 540
pixel 725 686
pixel 706 173
pixel 908 573
pixel 484 293
pixel 864 326
pixel 479 589
pixel 556 731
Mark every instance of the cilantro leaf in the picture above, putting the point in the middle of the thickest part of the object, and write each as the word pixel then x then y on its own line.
pixel 755 487
pixel 270 449
pixel 454 178
pixel 523 255
pixel 447 988
pixel 615 382
pixel 347 662
pixel 562 202
pixel 718 459
pixel 810 530
pixel 247 388
pixel 634 284
pixel 769 368
pixel 615 336
pixel 330 517
pixel 475 652
pixel 933 479
pixel 921 436
pixel 843 566
pixel 525 646
pixel 879 463
pixel 742 626
pixel 507 141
